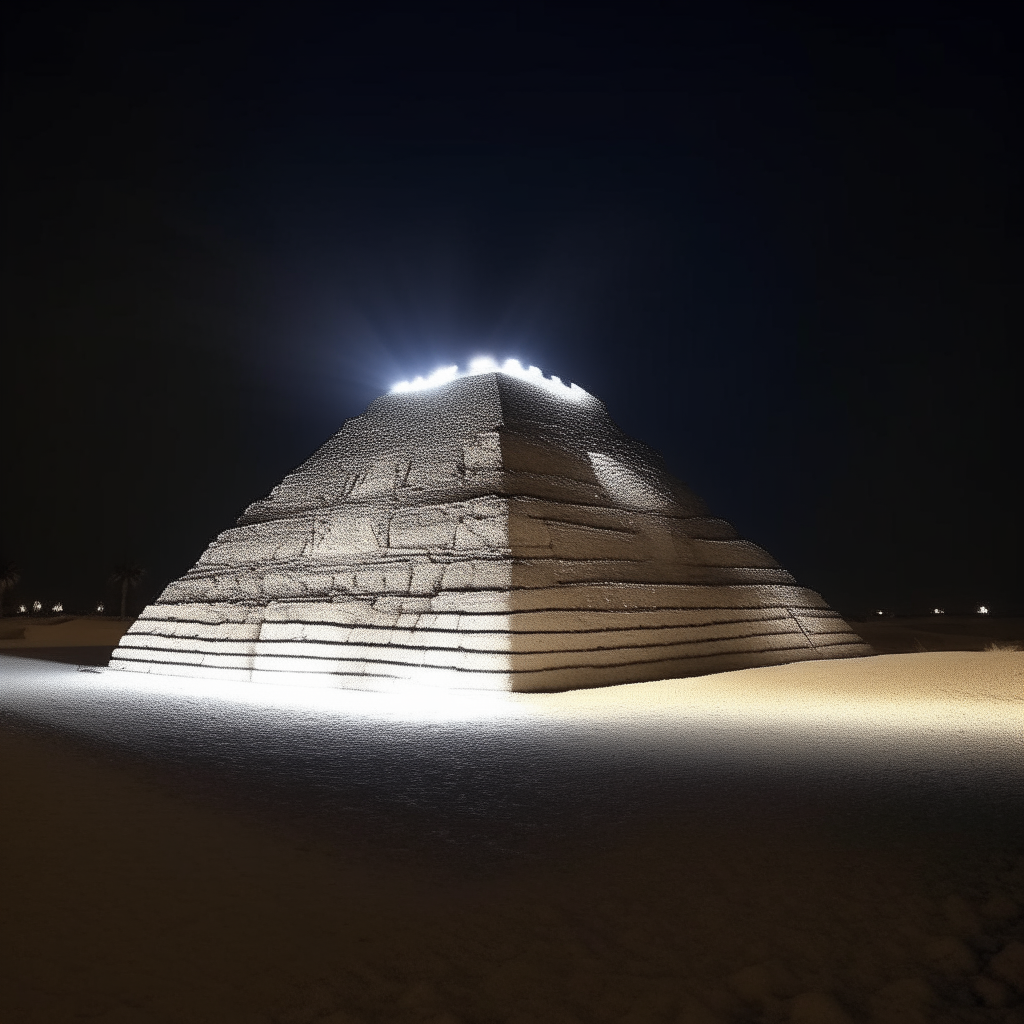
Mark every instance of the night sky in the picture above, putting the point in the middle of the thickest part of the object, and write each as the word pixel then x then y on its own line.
pixel 780 242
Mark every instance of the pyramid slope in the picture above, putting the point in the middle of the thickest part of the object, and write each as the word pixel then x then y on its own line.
pixel 484 534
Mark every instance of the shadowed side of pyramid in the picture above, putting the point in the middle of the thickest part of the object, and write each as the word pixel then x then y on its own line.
pixel 620 573
pixel 490 533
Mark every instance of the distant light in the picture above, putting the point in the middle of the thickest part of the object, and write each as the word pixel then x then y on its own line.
pixel 982 610
pixel 878 611
pixel 58 607
pixel 938 611
pixel 37 606
pixel 100 608
pixel 22 609
pixel 485 364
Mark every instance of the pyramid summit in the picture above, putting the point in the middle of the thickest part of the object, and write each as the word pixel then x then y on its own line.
pixel 492 531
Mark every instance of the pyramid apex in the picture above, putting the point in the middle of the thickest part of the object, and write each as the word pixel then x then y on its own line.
pixel 482 365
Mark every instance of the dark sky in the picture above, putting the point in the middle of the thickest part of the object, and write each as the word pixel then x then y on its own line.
pixel 781 242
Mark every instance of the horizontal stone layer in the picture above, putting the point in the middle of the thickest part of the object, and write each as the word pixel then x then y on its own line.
pixel 520 527
pixel 602 596
pixel 171 634
pixel 380 676
pixel 431 580
pixel 241 654
pixel 239 623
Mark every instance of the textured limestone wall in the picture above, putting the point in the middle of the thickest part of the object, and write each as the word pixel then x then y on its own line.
pixel 487 534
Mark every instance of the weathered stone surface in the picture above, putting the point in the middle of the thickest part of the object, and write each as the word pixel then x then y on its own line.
pixel 487 533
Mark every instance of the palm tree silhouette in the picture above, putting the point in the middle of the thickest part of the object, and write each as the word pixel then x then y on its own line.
pixel 128 575
pixel 9 576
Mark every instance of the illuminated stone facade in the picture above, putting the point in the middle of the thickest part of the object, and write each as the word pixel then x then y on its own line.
pixel 491 532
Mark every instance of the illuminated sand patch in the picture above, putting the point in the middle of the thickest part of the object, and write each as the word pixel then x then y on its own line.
pixel 889 696
pixel 493 531
pixel 889 693
pixel 712 884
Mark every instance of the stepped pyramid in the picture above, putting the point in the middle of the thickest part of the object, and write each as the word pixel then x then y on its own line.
pixel 496 531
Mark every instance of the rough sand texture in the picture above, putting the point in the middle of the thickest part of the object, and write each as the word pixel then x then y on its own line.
pixel 984 689
pixel 126 900
pixel 20 632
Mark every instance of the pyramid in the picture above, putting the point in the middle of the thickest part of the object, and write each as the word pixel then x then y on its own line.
pixel 495 531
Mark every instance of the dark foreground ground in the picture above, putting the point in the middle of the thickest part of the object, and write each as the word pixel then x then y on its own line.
pixel 818 843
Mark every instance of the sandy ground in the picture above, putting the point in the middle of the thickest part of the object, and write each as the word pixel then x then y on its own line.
pixel 910 635
pixel 74 640
pixel 823 842
pixel 19 632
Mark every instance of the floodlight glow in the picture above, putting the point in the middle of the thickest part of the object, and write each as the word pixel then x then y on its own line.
pixel 441 375
pixel 982 610
pixel 486 364
pixel 938 611
pixel 296 691
pixel 58 607
pixel 37 606
pixel 22 609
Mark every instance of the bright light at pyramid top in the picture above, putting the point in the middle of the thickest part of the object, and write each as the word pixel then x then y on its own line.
pixel 485 364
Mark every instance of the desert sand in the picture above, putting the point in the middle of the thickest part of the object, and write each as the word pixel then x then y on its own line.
pixel 73 639
pixel 22 632
pixel 821 842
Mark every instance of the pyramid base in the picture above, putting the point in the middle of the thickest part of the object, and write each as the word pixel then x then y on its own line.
pixel 378 677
